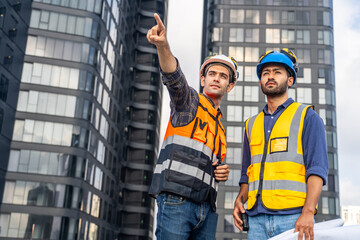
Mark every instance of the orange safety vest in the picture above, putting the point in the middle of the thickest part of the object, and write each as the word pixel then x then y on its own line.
pixel 184 166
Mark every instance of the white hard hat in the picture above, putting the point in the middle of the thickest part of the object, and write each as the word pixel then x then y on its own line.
pixel 225 60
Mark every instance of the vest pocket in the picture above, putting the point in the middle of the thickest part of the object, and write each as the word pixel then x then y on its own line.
pixel 254 141
pixel 188 170
pixel 200 130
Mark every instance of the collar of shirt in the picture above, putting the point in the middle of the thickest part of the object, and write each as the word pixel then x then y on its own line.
pixel 281 107
pixel 212 103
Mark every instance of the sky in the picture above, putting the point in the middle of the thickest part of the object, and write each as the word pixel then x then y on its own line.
pixel 184 26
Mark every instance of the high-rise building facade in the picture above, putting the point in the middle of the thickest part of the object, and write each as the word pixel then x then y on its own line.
pixel 14 21
pixel 81 118
pixel 244 29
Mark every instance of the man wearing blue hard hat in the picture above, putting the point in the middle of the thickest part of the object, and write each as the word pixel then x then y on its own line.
pixel 284 163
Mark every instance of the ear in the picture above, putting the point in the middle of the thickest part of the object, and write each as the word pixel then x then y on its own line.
pixel 202 81
pixel 230 86
pixel 290 81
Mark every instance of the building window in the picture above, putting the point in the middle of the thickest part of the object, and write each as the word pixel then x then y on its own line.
pixel 292 93
pixel 250 111
pixel 303 17
pixel 48 163
pixel 233 155
pixel 325 37
pixel 217 15
pixel 237 16
pixel 272 35
pixel 304 75
pixel 234 134
pixel 321 76
pixel 59 22
pixel 236 94
pixel 217 35
pixel 324 18
pixel 60 49
pixel 236 35
pixel 53 104
pixel 90 6
pixel 303 55
pixel 331 139
pixel 237 53
pixel 252 16
pixel 287 36
pixel 288 2
pixel 250 75
pixel 326 76
pixel 93 231
pixel 252 35
pixel 241 73
pixel 242 2
pixel 251 54
pixel 251 93
pixel 325 205
pixel 57 76
pixel 304 95
pixel 326 96
pixel 69 226
pixel 324 3
pixel 325 56
pixel 328 116
pixel 331 182
pixel 272 17
pixel 234 178
pixel 303 36
pixel 288 17
pixel 4 86
pixel 49 133
pixel 333 163
pixel 234 113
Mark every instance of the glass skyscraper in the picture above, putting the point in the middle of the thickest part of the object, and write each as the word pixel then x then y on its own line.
pixel 244 29
pixel 79 117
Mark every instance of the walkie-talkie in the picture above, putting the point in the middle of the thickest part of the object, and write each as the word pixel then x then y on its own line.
pixel 244 218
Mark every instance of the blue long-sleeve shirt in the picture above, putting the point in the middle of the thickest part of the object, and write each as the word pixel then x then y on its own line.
pixel 314 149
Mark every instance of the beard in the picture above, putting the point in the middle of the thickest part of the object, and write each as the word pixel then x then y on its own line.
pixel 277 90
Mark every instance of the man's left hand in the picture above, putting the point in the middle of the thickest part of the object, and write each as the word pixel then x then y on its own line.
pixel 221 172
pixel 305 225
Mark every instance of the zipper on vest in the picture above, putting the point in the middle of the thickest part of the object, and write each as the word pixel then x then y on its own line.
pixel 258 195
pixel 216 132
pixel 212 155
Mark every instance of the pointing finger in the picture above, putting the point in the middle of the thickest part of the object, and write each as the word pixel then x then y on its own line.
pixel 159 22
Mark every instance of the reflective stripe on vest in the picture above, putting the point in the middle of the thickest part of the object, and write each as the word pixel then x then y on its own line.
pixel 277 177
pixel 185 162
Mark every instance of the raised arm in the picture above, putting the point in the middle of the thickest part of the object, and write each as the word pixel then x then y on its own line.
pixel 157 36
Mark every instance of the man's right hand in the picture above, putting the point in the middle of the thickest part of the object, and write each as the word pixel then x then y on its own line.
pixel 157 34
pixel 239 206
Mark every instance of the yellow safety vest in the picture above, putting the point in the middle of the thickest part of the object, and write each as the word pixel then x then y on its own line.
pixel 184 166
pixel 277 170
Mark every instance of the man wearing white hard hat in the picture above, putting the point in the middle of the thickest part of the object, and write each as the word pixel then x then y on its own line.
pixel 190 165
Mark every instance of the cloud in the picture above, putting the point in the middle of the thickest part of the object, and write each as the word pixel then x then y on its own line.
pixel 347 59
pixel 350 193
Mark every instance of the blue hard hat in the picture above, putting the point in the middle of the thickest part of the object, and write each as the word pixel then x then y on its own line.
pixel 278 57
